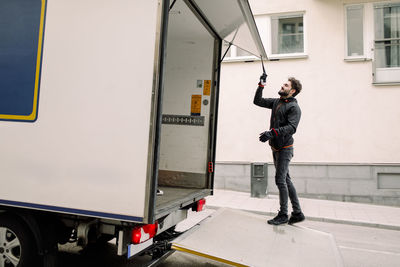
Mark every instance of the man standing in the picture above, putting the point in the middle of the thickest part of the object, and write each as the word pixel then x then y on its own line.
pixel 285 117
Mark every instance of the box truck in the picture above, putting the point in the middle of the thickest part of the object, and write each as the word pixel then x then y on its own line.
pixel 104 103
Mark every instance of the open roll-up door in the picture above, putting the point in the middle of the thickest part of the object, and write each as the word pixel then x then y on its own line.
pixel 233 21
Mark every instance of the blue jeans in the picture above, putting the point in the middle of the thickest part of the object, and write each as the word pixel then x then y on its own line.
pixel 283 181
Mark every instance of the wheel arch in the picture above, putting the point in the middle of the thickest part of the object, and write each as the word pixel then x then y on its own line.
pixel 31 223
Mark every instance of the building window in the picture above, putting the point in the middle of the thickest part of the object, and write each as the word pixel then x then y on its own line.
pixel 354 31
pixel 387 43
pixel 235 53
pixel 287 34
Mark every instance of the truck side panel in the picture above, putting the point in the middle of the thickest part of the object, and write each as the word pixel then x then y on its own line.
pixel 87 151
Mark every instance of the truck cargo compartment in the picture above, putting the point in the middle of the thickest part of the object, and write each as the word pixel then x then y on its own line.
pixel 187 106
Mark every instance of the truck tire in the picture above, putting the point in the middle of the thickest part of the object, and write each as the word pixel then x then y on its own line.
pixel 51 259
pixel 17 244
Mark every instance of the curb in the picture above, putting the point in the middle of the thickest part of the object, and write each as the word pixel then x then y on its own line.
pixel 329 220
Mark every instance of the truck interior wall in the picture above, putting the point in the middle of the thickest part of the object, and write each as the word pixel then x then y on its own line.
pixel 189 61
pixel 87 151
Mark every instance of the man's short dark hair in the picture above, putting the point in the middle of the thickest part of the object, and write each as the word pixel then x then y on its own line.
pixel 295 85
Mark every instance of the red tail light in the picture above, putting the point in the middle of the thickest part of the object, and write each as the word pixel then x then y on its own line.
pixel 200 204
pixel 144 233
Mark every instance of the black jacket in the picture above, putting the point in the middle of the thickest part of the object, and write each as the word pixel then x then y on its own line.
pixel 285 118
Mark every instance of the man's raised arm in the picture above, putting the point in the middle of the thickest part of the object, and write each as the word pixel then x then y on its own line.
pixel 258 99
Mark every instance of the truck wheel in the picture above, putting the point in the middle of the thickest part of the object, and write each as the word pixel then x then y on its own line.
pixel 17 244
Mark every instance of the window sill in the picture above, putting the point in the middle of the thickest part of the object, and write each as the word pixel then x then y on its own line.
pixel 240 59
pixel 270 58
pixel 356 59
pixel 287 56
pixel 386 83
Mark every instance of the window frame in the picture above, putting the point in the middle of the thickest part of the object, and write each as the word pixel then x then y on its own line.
pixel 235 58
pixel 268 32
pixel 264 27
pixel 364 56
pixel 383 72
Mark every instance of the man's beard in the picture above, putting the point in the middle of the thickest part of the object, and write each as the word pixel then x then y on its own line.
pixel 283 93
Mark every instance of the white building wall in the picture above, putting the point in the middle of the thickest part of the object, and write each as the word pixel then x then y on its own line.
pixel 345 118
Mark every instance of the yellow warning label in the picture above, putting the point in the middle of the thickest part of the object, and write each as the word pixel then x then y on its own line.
pixel 196 105
pixel 207 87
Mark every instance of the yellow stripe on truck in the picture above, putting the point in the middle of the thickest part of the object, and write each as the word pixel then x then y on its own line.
pixel 39 57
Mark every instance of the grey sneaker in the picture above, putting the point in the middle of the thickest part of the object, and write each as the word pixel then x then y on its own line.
pixel 296 217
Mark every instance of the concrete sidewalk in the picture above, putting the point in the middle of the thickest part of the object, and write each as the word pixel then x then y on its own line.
pixel 318 210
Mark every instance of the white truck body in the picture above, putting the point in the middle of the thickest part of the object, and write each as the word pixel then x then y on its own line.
pixel 88 148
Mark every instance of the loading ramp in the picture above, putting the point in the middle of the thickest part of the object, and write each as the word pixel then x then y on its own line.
pixel 241 238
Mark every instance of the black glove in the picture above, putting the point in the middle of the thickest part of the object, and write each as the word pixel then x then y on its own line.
pixel 265 136
pixel 263 79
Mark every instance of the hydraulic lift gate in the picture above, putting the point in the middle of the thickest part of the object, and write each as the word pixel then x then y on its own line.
pixel 240 238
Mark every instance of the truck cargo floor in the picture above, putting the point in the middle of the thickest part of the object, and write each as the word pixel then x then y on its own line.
pixel 174 197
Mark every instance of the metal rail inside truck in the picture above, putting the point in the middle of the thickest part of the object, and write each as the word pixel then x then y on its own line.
pixel 104 103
